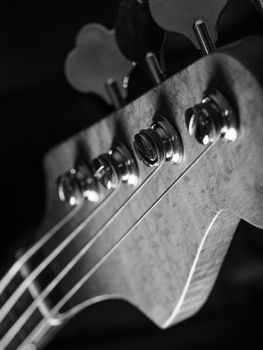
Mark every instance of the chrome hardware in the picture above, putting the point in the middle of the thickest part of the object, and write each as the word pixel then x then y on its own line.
pixel 114 93
pixel 154 67
pixel 87 183
pixel 78 184
pixel 204 38
pixel 116 166
pixel 67 188
pixel 214 117
pixel 158 143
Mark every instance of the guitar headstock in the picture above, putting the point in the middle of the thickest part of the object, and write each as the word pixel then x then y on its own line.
pixel 160 238
pixel 142 205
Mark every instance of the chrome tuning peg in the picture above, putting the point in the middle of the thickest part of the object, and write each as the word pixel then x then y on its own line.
pixel 77 185
pixel 161 142
pixel 140 38
pixel 116 166
pixel 97 65
pixel 154 68
pixel 196 19
pixel 212 119
pixel 108 169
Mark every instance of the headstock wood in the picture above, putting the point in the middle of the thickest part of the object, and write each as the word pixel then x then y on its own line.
pixel 167 265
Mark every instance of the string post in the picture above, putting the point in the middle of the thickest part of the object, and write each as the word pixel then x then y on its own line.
pixel 203 36
pixel 161 142
pixel 115 167
pixel 78 184
pixel 211 119
pixel 154 67
pixel 67 188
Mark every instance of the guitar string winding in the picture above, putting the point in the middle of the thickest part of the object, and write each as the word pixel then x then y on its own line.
pixel 26 283
pixel 40 327
pixel 30 278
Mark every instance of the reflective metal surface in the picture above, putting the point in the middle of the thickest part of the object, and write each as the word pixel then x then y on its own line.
pixel 214 117
pixel 159 143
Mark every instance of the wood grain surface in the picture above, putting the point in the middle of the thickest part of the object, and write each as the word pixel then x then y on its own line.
pixel 167 265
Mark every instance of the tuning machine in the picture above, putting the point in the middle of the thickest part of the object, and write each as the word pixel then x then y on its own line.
pixel 196 19
pixel 116 166
pixel 77 185
pixel 212 118
pixel 161 142
pixel 140 38
pixel 110 169
pixel 97 65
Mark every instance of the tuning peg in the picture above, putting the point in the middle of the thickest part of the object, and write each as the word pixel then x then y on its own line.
pixel 116 166
pixel 212 118
pixel 259 6
pixel 161 142
pixel 154 68
pixel 136 31
pixel 97 65
pixel 82 182
pixel 140 38
pixel 196 19
pixel 78 184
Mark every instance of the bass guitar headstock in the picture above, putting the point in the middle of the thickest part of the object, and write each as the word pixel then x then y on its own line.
pixel 142 205
pixel 155 232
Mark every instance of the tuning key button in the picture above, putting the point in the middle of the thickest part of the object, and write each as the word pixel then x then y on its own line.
pixel 116 166
pixel 213 118
pixel 161 142
pixel 97 65
pixel 196 19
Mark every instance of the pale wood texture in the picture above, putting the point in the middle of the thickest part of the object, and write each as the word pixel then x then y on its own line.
pixel 167 265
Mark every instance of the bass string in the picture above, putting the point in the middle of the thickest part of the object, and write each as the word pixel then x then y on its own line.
pixel 30 278
pixel 41 326
pixel 28 254
pixel 85 278
pixel 24 317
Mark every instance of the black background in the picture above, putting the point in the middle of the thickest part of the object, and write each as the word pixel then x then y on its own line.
pixel 39 109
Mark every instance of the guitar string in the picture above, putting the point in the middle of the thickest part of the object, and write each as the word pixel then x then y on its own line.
pixel 26 256
pixel 85 278
pixel 93 239
pixel 13 299
pixel 41 326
